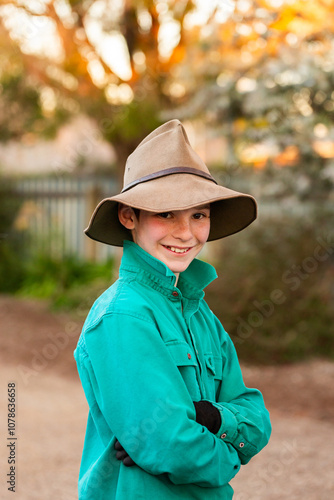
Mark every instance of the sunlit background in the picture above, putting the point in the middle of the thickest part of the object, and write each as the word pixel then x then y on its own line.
pixel 82 82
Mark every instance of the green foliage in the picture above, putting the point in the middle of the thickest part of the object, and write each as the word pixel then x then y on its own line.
pixel 275 292
pixel 11 267
pixel 125 126
pixel 22 112
pixel 11 249
pixel 137 119
pixel 21 107
pixel 67 282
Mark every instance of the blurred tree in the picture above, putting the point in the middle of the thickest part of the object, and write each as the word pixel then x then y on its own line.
pixel 268 73
pixel 21 111
pixel 79 72
pixel 264 76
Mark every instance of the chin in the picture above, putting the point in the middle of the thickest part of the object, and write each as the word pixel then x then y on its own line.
pixel 177 270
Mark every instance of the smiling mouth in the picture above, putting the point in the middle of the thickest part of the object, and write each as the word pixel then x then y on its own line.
pixel 177 250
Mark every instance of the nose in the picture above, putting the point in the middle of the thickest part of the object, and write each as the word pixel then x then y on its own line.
pixel 182 229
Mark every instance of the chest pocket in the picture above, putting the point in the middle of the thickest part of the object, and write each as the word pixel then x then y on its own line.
pixel 185 360
pixel 214 369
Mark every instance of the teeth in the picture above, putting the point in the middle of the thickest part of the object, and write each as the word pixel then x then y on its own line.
pixel 178 250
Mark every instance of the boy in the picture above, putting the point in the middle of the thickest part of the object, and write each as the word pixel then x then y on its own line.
pixel 170 416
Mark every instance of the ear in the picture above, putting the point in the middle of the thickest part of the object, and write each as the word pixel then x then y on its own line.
pixel 126 216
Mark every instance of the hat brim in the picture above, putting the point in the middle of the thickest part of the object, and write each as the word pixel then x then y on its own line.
pixel 231 211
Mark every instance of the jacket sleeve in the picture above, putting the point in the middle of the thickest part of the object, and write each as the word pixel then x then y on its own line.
pixel 145 403
pixel 245 422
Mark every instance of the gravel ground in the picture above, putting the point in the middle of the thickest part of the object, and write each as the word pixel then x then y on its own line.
pixel 51 411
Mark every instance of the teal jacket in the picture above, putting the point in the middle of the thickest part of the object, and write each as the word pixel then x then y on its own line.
pixel 147 350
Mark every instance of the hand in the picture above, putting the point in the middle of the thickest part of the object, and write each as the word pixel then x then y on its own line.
pixel 208 415
pixel 121 454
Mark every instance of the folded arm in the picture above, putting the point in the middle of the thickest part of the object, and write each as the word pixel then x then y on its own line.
pixel 146 405
pixel 244 419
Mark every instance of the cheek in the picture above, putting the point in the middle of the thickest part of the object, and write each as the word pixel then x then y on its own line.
pixel 155 230
pixel 204 231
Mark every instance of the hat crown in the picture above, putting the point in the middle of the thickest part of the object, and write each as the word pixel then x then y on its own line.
pixel 167 146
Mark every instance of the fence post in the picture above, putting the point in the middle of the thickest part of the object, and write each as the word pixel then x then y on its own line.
pixel 94 195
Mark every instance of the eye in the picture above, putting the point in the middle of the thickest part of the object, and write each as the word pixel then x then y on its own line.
pixel 201 215
pixel 165 215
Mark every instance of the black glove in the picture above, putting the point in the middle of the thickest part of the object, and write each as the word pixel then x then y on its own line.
pixel 121 454
pixel 208 415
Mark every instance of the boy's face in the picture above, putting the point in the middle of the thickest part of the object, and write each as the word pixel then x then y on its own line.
pixel 174 237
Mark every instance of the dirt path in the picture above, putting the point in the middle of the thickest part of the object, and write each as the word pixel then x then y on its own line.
pixel 36 353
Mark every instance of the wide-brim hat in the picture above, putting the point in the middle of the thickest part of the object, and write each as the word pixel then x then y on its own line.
pixel 165 174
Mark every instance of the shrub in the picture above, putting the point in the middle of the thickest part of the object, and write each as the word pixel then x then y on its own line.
pixel 12 252
pixel 275 294
pixel 69 283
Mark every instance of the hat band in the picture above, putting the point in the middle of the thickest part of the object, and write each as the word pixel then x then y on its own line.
pixel 169 171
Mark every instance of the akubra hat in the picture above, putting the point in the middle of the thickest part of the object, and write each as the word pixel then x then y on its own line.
pixel 164 174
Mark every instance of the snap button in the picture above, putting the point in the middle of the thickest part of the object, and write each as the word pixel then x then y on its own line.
pixel 189 355
pixel 241 445
pixel 175 294
pixel 223 436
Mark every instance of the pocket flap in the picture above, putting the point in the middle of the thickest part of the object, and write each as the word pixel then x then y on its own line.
pixel 214 365
pixel 181 353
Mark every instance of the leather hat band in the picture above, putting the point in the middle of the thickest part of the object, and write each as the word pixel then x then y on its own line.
pixel 169 171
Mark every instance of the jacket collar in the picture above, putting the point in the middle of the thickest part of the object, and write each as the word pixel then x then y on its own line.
pixel 156 274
